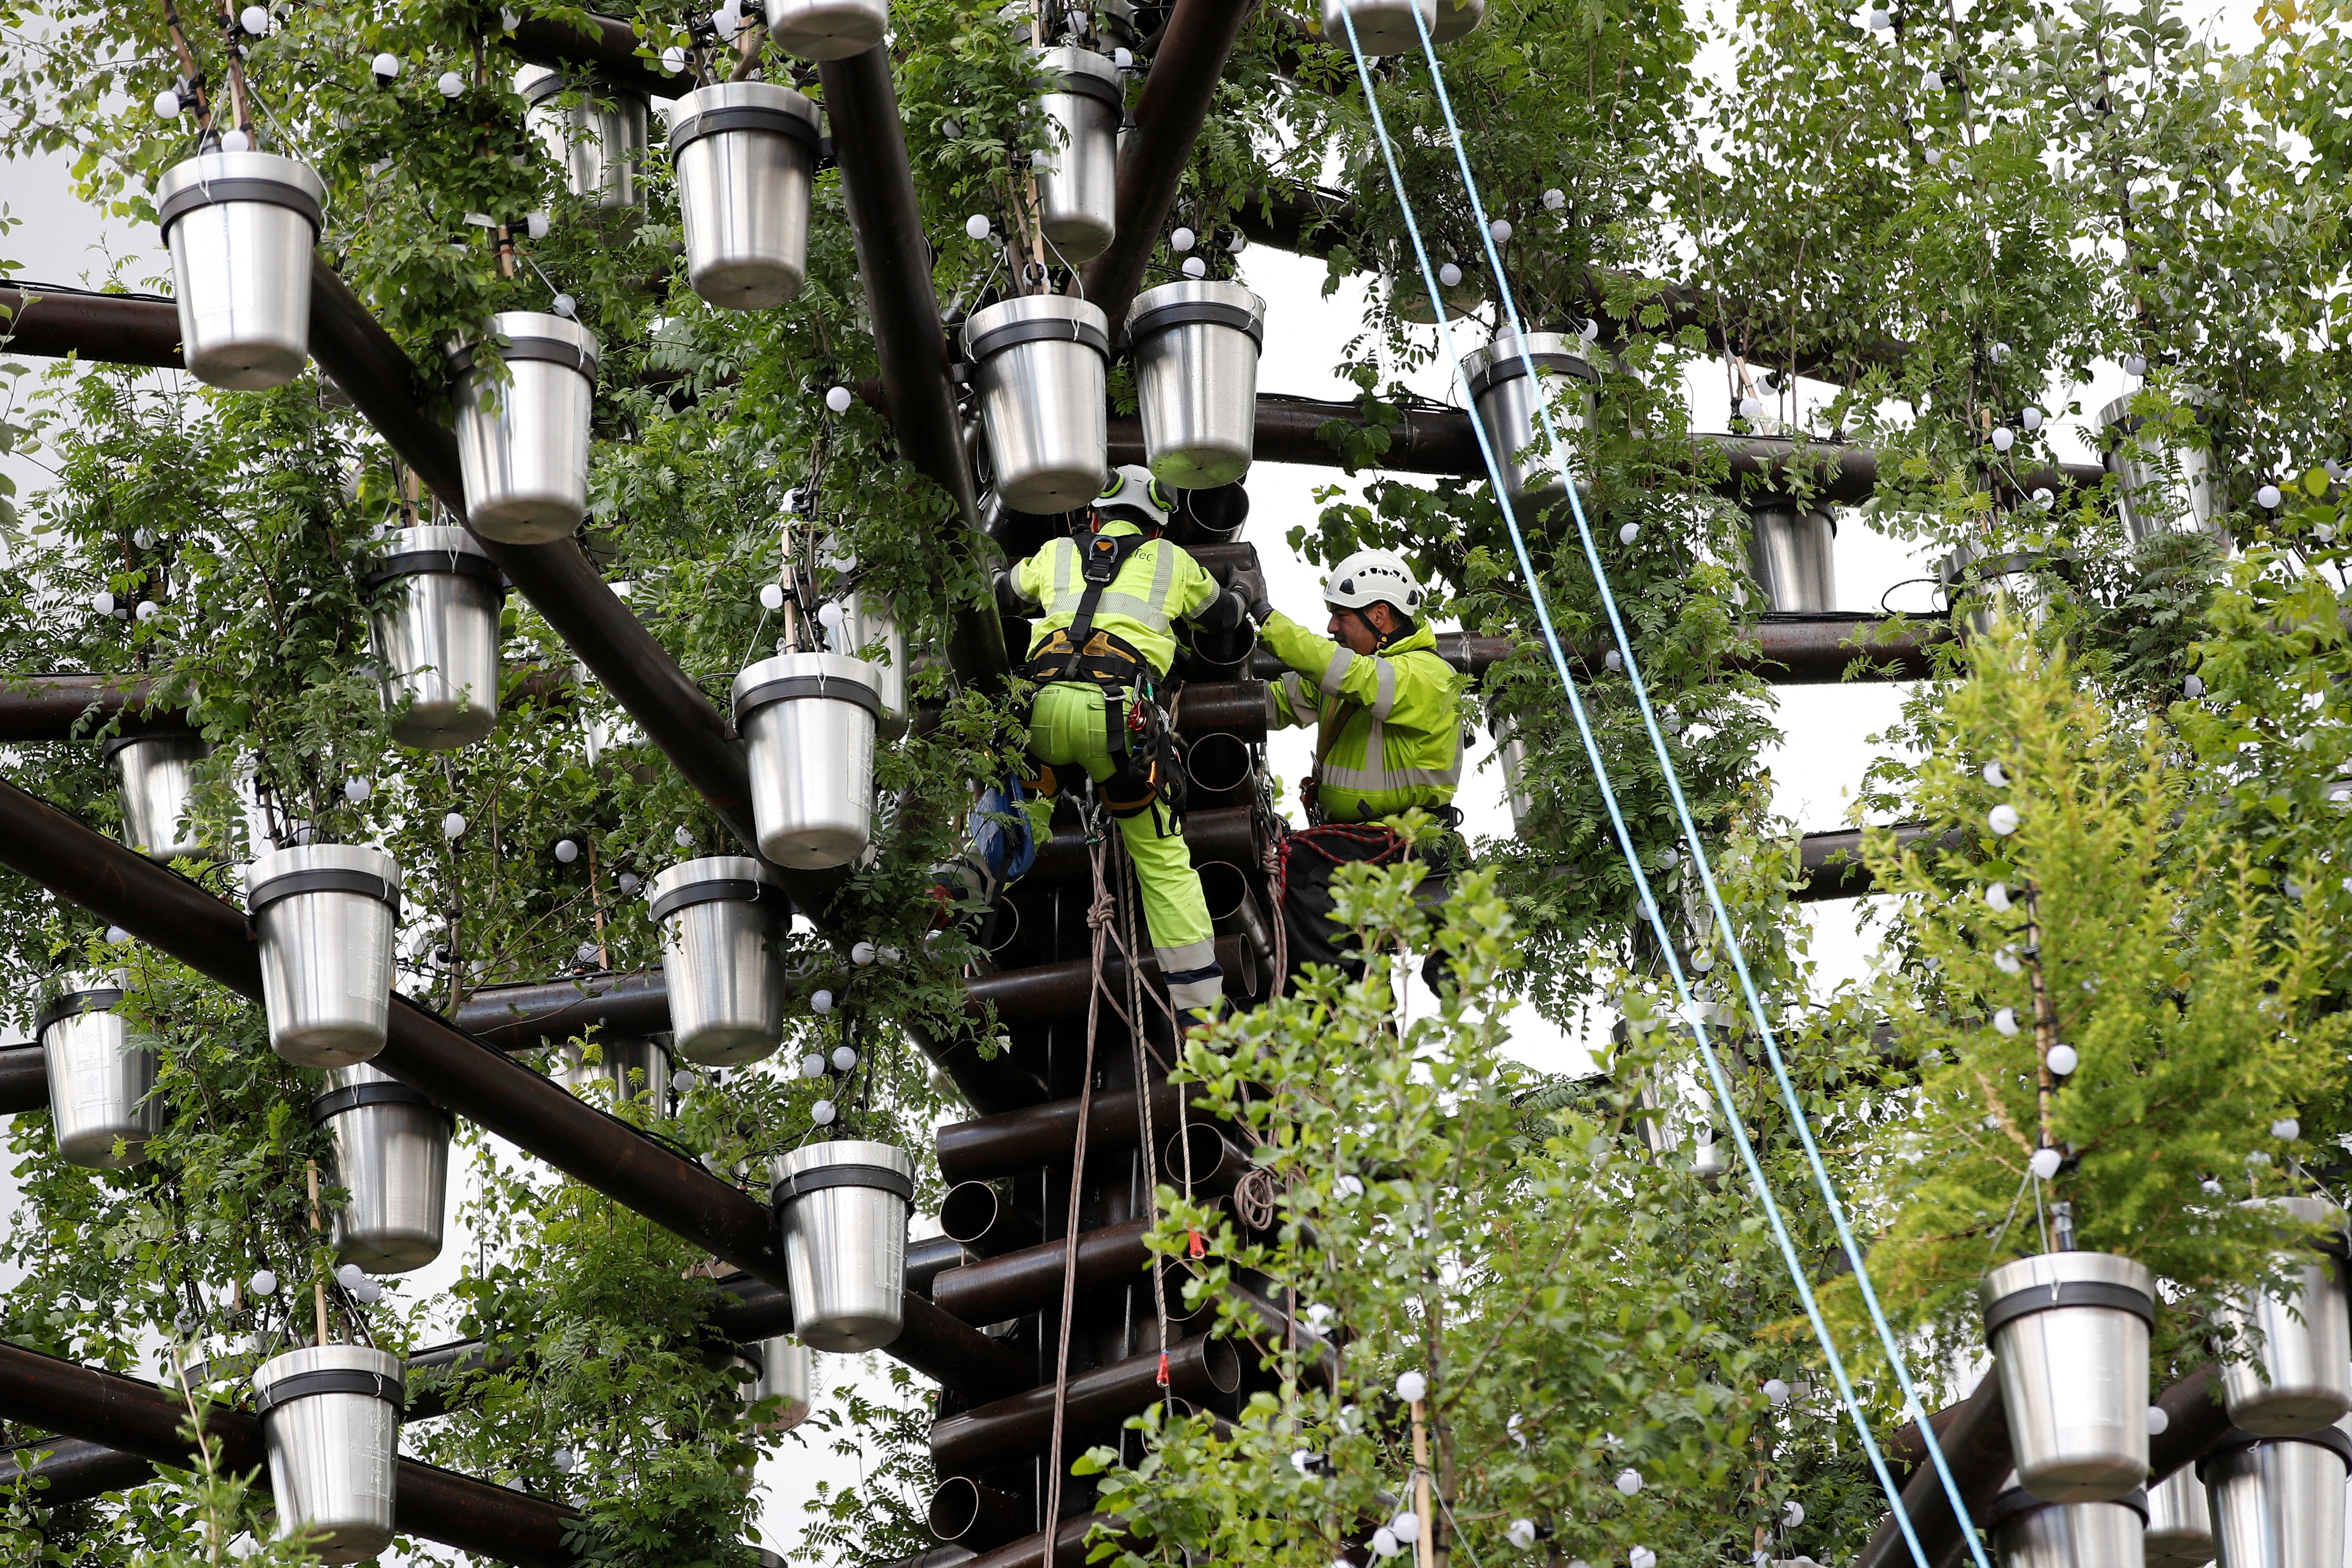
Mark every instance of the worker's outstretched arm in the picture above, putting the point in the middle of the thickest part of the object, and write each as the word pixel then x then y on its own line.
pixel 1406 692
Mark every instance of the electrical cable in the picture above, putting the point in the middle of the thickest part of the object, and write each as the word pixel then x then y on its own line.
pixel 1625 836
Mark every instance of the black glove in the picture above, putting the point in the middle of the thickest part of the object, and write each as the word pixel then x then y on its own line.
pixel 1262 611
pixel 1223 612
pixel 1008 597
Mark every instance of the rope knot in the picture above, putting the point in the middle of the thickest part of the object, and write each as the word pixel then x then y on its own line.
pixel 1101 912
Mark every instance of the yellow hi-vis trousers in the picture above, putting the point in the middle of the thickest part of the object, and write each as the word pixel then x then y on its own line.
pixel 1065 728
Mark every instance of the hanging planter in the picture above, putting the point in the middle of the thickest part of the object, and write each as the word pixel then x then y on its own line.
pixel 745 152
pixel 2179 1522
pixel 634 1066
pixel 2278 1503
pixel 1041 361
pixel 2163 489
pixel 869 622
pixel 2299 1376
pixel 240 226
pixel 785 1372
pixel 1196 351
pixel 522 446
pixel 159 783
pixel 720 920
pixel 807 722
pixel 1504 395
pixel 435 635
pixel 1974 580
pixel 1457 19
pixel 392 1152
pixel 325 915
pixel 1382 27
pixel 841 1208
pixel 330 1418
pixel 827 30
pixel 1791 555
pixel 594 131
pixel 2068 1331
pixel 1077 174
pixel 2028 1532
pixel 100 1085
pixel 1511 756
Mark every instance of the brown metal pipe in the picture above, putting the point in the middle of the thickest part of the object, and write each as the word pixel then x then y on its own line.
pixel 24 1079
pixel 977 1516
pixel 100 328
pixel 66 706
pixel 1227 833
pixel 956 1356
pixel 1834 867
pixel 933 1256
pixel 1045 1136
pixel 1051 993
pixel 996 1289
pixel 1069 1546
pixel 1009 1430
pixel 981 1217
pixel 1215 1167
pixel 518 1018
pixel 607 49
pixel 1220 708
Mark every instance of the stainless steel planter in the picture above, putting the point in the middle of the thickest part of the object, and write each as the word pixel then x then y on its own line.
pixel 745 153
pixel 2165 489
pixel 1457 19
pixel 841 1208
pixel 1504 394
pixel 2068 1331
pixel 869 622
pixel 1382 27
pixel 330 1417
pixel 100 1085
pixel 597 132
pixel 1077 174
pixel 2028 1532
pixel 720 919
pixel 1511 756
pixel 2278 1503
pixel 522 446
pixel 785 1368
pixel 1793 556
pixel 436 635
pixel 1039 362
pixel 2299 1378
pixel 2179 1522
pixel 392 1152
pixel 807 722
pixel 157 776
pixel 1196 350
pixel 325 915
pixel 631 1067
pixel 827 30
pixel 240 226
pixel 1983 585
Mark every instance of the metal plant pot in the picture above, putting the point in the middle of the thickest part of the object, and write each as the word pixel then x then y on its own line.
pixel 1382 27
pixel 436 635
pixel 827 30
pixel 325 915
pixel 2299 1378
pixel 1504 395
pixel 159 782
pixel 785 1368
pixel 1041 361
pixel 2179 1522
pixel 720 919
pixel 596 131
pixel 868 622
pixel 1791 554
pixel 1511 756
pixel 2068 1332
pixel 1457 19
pixel 392 1152
pixel 1973 580
pixel 632 1066
pixel 100 1085
pixel 745 153
pixel 841 1208
pixel 240 226
pixel 1196 350
pixel 331 1417
pixel 2278 1503
pixel 522 445
pixel 1078 174
pixel 2028 1532
pixel 807 722
pixel 2164 489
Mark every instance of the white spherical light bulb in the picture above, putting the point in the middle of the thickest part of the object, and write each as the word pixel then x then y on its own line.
pixel 453 825
pixel 673 59
pixel 2004 1020
pixel 681 1081
pixel 1181 239
pixel 838 399
pixel 1449 274
pixel 1629 533
pixel 1629 1481
pixel 2135 364
pixel 977 226
pixel 564 304
pixel 771 596
pixel 2159 1421
pixel 1934 156
pixel 1992 775
pixel 2030 418
pixel 1411 1388
pixel 1751 406
pixel 1521 1534
pixel 1385 1543
pixel 684 838
pixel 1997 895
pixel 1933 81
pixel 167 105
pixel 386 68
pixel 2000 353
pixel 451 84
pixel 349 1276
pixel 1555 199
pixel 1501 229
pixel 254 19
pixel 1641 1557
pixel 2286 1129
pixel 1776 1390
pixel 2003 438
pixel 812 1065
pixel 102 602
pixel 845 1059
pixel 2192 688
pixel 534 224
pixel 2001 820
pixel 264 1282
pixel 2268 497
pixel 2063 1059
pixel 1194 268
pixel 1794 1514
pixel 861 953
pixel 821 1002
pixel 357 789
pixel 148 610
pixel 2044 1162
pixel 566 851
pixel 1406 1527
pixel 236 141
pixel 822 1112
pixel 116 936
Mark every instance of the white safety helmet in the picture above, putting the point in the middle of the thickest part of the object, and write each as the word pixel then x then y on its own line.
pixel 1373 577
pixel 1133 494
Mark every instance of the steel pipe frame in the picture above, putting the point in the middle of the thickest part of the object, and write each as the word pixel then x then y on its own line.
pixel 607 50
pixel 1015 1141
pixel 993 1435
pixel 1052 993
pixel 1015 1283
pixel 144 1422
pixel 68 705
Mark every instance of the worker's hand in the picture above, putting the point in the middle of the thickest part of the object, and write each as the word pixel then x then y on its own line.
pixel 1261 609
pixel 1008 597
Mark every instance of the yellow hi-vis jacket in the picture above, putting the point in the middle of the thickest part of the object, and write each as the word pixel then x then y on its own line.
pixel 1399 713
pixel 1160 583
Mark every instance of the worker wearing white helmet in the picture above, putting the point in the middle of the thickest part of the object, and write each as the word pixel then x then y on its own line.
pixel 1104 604
pixel 1389 709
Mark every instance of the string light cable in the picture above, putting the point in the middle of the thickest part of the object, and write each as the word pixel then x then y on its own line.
pixel 1650 908
pixel 1914 1407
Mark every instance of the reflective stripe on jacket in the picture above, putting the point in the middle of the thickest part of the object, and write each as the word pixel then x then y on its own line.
pixel 1156 586
pixel 1399 715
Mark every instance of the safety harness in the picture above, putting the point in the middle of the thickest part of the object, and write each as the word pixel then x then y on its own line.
pixel 1085 654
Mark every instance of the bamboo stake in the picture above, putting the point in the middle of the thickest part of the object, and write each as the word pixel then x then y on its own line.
pixel 1424 1540
pixel 318 1226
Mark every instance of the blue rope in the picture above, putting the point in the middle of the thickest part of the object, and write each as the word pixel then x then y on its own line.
pixel 1846 1241
pixel 1689 1005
